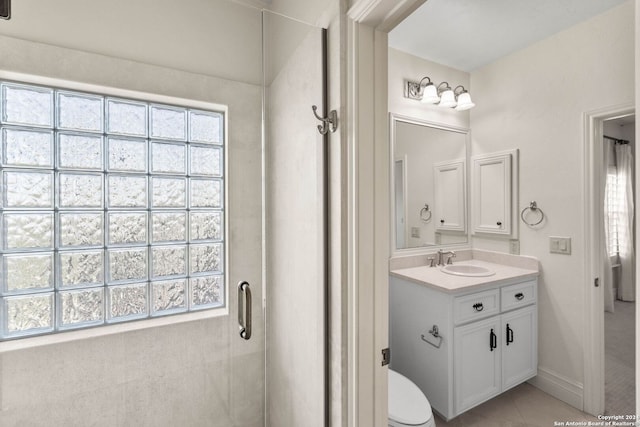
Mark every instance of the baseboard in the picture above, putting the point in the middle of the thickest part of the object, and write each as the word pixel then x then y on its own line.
pixel 560 387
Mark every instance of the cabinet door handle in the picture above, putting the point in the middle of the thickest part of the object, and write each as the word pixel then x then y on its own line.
pixel 493 340
pixel 442 221
pixel 509 335
pixel 478 306
pixel 499 223
pixel 519 296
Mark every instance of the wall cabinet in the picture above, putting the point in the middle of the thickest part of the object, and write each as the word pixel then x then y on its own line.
pixel 494 193
pixel 489 341
pixel 450 193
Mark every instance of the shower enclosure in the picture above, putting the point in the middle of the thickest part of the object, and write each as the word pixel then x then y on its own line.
pixel 260 358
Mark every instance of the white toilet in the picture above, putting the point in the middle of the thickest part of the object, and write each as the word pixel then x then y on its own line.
pixel 408 406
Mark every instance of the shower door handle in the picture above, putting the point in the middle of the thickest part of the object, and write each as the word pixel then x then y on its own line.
pixel 244 310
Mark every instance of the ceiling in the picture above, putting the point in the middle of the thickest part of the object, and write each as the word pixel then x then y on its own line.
pixel 468 34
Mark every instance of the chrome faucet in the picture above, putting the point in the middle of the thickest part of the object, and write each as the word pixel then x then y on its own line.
pixel 431 260
pixel 450 257
pixel 439 258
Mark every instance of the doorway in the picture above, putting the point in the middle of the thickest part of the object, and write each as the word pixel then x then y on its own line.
pixel 609 376
pixel 618 149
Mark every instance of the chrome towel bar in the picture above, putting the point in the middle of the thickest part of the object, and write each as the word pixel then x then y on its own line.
pixel 433 332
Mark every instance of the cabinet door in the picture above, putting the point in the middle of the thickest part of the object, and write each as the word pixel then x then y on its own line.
pixel 476 363
pixel 492 194
pixel 450 195
pixel 519 346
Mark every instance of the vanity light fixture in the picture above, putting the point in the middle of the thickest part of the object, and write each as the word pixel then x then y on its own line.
pixel 441 95
pixel 429 93
pixel 447 97
pixel 463 98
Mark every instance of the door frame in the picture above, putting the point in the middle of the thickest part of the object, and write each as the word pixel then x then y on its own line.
pixel 593 385
pixel 368 207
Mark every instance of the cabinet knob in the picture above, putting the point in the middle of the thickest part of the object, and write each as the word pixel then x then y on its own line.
pixel 442 221
pixel 478 306
pixel 499 223
pixel 519 296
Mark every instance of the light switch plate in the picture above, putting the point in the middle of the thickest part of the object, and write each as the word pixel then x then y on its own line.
pixel 560 245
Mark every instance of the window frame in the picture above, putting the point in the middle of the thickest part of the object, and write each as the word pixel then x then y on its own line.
pixel 106 328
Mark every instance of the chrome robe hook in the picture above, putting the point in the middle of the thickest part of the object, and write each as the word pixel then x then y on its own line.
pixel 328 123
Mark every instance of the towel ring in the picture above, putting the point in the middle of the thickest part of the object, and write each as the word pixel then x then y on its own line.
pixel 425 213
pixel 533 207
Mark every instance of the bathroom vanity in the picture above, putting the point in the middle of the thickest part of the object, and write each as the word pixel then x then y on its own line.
pixel 465 337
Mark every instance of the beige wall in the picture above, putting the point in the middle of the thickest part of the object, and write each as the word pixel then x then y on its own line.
pixel 295 341
pixel 534 100
pixel 317 12
pixel 214 38
pixel 197 373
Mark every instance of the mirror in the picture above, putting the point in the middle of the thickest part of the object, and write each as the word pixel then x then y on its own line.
pixel 428 183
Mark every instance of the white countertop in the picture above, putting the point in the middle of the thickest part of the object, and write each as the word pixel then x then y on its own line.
pixel 434 278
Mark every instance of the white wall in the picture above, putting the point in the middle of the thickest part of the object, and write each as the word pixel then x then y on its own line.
pixel 197 373
pixel 534 100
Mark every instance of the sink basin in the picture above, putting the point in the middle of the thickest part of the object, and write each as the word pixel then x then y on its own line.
pixel 467 270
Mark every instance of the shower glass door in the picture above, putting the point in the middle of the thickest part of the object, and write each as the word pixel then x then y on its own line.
pixel 295 233
pixel 191 184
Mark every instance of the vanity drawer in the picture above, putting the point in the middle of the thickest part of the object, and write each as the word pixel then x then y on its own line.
pixel 471 307
pixel 518 295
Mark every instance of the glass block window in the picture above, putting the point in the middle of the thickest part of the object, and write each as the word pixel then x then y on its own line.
pixel 111 210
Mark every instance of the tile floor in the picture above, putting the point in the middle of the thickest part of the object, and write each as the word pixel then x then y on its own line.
pixel 522 406
pixel 619 364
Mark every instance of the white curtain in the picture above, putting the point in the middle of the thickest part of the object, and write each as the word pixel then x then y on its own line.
pixel 608 191
pixel 624 166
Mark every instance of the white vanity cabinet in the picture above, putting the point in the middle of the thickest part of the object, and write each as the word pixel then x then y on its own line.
pixel 493 355
pixel 489 340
